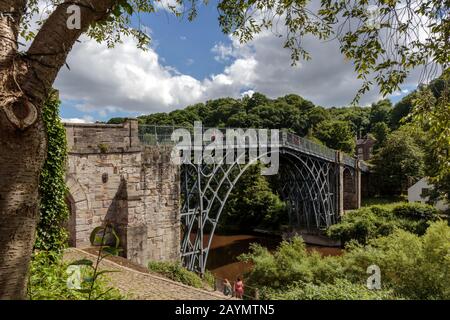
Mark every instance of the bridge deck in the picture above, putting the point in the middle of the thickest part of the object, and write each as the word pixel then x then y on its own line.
pixel 161 135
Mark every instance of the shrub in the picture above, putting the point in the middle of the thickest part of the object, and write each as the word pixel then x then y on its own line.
pixel 290 263
pixel 363 224
pixel 416 211
pixel 413 266
pixel 176 272
pixel 381 220
pixel 48 281
pixel 342 289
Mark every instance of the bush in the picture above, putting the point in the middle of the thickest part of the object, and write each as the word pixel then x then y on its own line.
pixel 416 211
pixel 412 267
pixel 363 224
pixel 48 281
pixel 176 272
pixel 290 263
pixel 381 220
pixel 342 289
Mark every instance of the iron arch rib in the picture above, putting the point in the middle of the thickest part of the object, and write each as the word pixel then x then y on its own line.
pixel 206 189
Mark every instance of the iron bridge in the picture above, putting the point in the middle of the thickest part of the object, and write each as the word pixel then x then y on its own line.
pixel 312 177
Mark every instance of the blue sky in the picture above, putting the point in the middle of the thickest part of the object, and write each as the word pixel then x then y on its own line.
pixel 191 62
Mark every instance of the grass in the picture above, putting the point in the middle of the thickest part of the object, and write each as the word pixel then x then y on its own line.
pixel 176 272
pixel 389 202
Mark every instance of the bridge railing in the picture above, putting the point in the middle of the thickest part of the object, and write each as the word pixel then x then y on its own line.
pixel 161 135
pixel 156 135
pixel 307 146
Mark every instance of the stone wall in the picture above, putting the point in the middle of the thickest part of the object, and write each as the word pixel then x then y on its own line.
pixel 112 178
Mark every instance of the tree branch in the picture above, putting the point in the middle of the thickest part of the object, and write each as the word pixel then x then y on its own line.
pixel 10 13
pixel 54 41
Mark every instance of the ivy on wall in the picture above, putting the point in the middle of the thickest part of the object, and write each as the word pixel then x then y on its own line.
pixel 51 231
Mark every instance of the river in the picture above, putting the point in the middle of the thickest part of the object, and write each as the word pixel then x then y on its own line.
pixel 222 259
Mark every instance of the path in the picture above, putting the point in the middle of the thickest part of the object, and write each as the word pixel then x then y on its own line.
pixel 138 284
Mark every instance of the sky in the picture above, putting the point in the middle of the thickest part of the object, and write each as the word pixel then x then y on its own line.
pixel 191 62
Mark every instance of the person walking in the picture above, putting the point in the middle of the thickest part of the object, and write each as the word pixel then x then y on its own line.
pixel 227 289
pixel 239 288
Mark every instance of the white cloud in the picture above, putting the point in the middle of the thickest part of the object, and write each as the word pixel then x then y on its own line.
pixel 86 119
pixel 223 52
pixel 127 79
pixel 167 5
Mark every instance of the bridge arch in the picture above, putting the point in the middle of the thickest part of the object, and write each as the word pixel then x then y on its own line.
pixel 205 190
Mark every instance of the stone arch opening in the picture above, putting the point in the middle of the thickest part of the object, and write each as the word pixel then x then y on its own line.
pixel 80 218
pixel 71 221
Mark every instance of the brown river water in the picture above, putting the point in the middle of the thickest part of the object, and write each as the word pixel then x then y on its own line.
pixel 222 259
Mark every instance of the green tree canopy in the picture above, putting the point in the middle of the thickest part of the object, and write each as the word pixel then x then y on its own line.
pixel 399 163
pixel 336 134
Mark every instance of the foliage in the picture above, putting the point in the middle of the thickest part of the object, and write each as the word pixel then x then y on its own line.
pixel 117 120
pixel 376 221
pixel 381 112
pixel 254 196
pixel 380 132
pixel 398 164
pixel 370 201
pixel 108 241
pixel 48 280
pixel 432 113
pixel 341 289
pixel 336 134
pixel 290 263
pixel 176 272
pixel 51 234
pixel 416 211
pixel 412 267
pixel 364 40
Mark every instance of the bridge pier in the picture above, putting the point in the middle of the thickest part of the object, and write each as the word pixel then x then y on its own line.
pixel 348 184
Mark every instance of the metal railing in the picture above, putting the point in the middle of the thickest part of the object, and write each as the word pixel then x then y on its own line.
pixel 307 146
pixel 161 135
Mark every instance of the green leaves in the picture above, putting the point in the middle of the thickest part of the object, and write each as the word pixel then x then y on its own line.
pixel 51 235
pixel 82 262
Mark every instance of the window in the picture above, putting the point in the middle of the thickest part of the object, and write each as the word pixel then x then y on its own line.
pixel 425 192
pixel 360 150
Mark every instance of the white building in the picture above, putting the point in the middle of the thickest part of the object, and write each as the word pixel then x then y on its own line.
pixel 419 193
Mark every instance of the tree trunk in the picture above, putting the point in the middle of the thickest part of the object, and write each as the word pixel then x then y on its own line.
pixel 22 154
pixel 25 81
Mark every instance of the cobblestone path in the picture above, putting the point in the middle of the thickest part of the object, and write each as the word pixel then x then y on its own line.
pixel 144 285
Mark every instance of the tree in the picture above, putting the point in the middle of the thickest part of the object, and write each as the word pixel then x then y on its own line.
pixel 380 131
pixel 401 111
pixel 381 112
pixel 26 78
pixel 336 134
pixel 432 114
pixel 398 164
pixel 252 203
